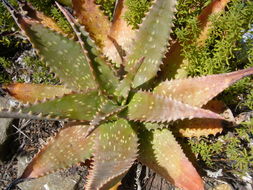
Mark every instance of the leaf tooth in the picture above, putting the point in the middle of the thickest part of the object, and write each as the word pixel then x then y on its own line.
pixel 19 111
pixel 19 106
pixel 3 109
pixel 154 126
pixel 30 113
pixel 39 115
pixel 35 102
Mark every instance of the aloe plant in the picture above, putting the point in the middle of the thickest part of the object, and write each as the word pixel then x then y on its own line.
pixel 116 108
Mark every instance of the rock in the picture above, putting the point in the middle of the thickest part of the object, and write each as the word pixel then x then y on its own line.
pixel 223 187
pixel 4 122
pixel 4 125
pixel 244 117
pixel 53 181
pixel 215 174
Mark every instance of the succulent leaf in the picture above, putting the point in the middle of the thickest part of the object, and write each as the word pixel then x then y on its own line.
pixel 151 41
pixel 30 93
pixel 63 55
pixel 160 151
pixel 196 127
pixel 146 106
pixel 108 35
pixel 199 127
pixel 73 106
pixel 95 22
pixel 202 127
pixel 115 150
pixel 100 69
pixel 121 32
pixel 106 110
pixel 199 90
pixel 67 148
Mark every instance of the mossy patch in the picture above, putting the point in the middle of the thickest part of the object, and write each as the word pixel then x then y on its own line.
pixel 7 29
pixel 137 10
pixel 4 76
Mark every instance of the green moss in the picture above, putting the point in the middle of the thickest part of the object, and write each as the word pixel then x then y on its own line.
pixel 107 6
pixel 5 63
pixel 8 28
pixel 4 76
pixel 188 9
pixel 44 6
pixel 137 10
pixel 248 102
pixel 60 20
pixel 205 149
